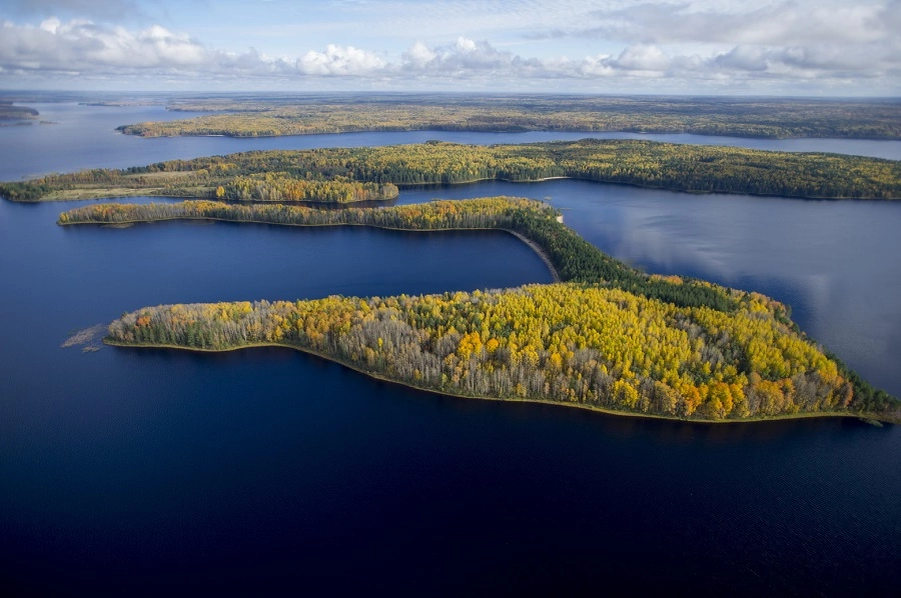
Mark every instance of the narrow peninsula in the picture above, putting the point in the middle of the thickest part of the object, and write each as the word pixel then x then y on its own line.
pixel 608 337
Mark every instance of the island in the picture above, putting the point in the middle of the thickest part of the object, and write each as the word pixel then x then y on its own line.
pixel 273 115
pixel 343 175
pixel 12 114
pixel 607 337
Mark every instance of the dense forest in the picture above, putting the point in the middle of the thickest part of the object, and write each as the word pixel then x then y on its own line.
pixel 744 117
pixel 351 174
pixel 610 337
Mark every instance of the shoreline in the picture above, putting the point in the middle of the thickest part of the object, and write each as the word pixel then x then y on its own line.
pixel 383 378
pixel 555 275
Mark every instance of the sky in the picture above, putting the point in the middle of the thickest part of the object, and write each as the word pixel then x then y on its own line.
pixel 721 47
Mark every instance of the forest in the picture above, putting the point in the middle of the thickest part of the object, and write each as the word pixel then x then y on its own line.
pixel 253 116
pixel 355 174
pixel 608 337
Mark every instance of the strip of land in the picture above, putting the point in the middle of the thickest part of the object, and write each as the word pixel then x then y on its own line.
pixel 343 175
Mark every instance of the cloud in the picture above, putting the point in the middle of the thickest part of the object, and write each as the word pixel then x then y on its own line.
pixel 641 60
pixel 807 62
pixel 643 57
pixel 340 61
pixel 807 39
pixel 467 58
pixel 419 56
pixel 782 22
pixel 82 47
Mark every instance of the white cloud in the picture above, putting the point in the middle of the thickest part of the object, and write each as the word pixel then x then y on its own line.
pixel 340 61
pixel 467 58
pixel 419 55
pixel 643 57
pixel 82 47
pixel 743 40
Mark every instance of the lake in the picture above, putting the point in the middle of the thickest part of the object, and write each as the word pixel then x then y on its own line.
pixel 85 137
pixel 132 471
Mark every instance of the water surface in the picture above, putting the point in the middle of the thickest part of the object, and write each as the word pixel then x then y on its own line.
pixel 132 471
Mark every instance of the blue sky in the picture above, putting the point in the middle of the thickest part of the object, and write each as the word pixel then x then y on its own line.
pixel 764 47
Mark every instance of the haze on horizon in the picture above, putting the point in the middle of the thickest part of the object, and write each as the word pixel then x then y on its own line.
pixel 728 47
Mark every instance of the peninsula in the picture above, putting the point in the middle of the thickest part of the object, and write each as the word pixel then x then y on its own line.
pixel 608 337
pixel 342 175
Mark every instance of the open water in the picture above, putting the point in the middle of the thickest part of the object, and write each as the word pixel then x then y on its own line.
pixel 150 471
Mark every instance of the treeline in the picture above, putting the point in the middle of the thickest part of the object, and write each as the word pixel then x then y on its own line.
pixel 570 343
pixel 200 184
pixel 644 163
pixel 573 258
pixel 492 212
pixel 742 117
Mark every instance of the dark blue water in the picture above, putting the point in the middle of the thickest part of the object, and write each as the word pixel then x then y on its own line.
pixel 139 471
pixel 85 137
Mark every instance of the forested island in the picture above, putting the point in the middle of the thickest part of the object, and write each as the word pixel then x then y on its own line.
pixel 608 337
pixel 342 175
pixel 12 114
pixel 271 115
